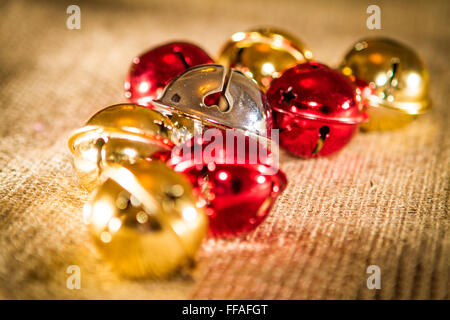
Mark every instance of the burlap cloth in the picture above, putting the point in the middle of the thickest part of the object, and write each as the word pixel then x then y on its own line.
pixel 383 200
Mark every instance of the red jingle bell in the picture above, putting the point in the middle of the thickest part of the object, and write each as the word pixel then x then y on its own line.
pixel 315 109
pixel 151 72
pixel 239 183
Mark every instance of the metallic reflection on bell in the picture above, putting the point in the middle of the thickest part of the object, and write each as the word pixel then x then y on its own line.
pixel 145 220
pixel 121 133
pixel 262 54
pixel 396 79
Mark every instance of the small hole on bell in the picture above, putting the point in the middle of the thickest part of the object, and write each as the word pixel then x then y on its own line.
pixel 325 110
pixel 176 97
pixel 324 131
pixel 287 95
pixel 239 55
pixel 153 223
pixel 236 185
pixel 99 143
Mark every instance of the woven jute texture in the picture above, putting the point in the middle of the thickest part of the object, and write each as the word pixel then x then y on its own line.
pixel 382 201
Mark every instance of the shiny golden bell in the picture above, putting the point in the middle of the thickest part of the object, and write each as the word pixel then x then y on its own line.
pixel 262 54
pixel 145 220
pixel 119 134
pixel 397 80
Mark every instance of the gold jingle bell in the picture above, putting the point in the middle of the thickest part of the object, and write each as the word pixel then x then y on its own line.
pixel 144 219
pixel 263 53
pixel 119 134
pixel 397 81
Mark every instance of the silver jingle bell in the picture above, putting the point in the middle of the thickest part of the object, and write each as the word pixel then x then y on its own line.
pixel 241 105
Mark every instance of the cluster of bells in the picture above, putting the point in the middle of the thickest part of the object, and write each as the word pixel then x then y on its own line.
pixel 151 207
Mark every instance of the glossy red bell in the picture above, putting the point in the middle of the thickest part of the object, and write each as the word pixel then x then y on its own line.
pixel 151 72
pixel 315 109
pixel 239 184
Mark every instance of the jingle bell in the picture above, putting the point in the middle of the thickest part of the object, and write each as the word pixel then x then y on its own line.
pixel 238 180
pixel 151 72
pixel 397 80
pixel 119 134
pixel 144 219
pixel 315 110
pixel 263 53
pixel 212 96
